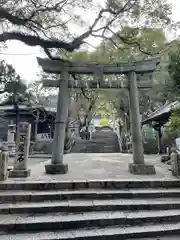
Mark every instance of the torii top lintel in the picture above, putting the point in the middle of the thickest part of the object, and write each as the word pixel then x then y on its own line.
pixel 56 66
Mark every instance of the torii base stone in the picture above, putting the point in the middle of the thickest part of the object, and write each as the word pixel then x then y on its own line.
pixel 56 168
pixel 142 169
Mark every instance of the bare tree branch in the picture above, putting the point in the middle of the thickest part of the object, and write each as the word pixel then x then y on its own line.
pixel 130 42
pixel 32 24
pixel 45 23
pixel 13 19
pixel 84 94
pixel 3 91
pixel 37 41
pixel 44 43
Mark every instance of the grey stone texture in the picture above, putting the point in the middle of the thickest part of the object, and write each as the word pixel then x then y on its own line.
pixel 137 143
pixel 93 166
pixel 22 148
pixel 87 194
pixel 175 163
pixel 56 168
pixel 4 157
pixel 89 209
pixel 62 221
pixel 60 125
pixel 103 142
pixel 142 169
pixel 19 173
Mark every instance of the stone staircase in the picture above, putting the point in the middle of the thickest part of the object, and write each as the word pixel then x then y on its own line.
pixel 89 210
pixel 103 142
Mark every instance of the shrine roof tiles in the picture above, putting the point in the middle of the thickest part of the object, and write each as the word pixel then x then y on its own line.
pixel 162 113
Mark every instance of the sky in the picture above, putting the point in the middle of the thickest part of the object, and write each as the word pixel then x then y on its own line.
pixel 23 58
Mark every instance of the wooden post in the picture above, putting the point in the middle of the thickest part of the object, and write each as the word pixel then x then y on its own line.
pixel 36 126
pixel 114 121
pixel 57 165
pixel 138 166
pixel 4 157
pixel 11 141
pixel 159 140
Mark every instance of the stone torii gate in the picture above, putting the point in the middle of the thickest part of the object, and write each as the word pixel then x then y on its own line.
pixel 139 75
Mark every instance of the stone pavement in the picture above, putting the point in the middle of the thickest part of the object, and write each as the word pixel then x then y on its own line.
pixel 94 166
pixel 32 160
pixel 159 238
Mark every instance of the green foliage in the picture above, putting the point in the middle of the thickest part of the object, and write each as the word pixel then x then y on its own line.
pixel 174 122
pixel 142 42
pixel 10 81
pixel 104 123
pixel 127 43
pixel 12 85
pixel 174 69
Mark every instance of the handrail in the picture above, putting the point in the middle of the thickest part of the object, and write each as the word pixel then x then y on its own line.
pixel 178 151
pixel 175 150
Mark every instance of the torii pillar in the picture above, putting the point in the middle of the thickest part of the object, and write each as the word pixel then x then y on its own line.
pixel 132 71
pixel 138 166
pixel 57 166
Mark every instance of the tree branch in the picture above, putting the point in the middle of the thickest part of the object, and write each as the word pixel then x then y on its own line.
pixel 37 41
pixel 129 42
pixel 124 8
pixel 48 53
pixel 16 20
pixel 2 91
pixel 45 43
pixel 13 19
pixel 84 94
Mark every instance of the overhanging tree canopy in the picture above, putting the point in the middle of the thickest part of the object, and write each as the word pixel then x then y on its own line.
pixel 174 69
pixel 48 23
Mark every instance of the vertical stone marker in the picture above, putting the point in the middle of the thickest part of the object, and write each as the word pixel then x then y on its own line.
pixel 11 141
pixel 138 166
pixel 22 152
pixel 4 157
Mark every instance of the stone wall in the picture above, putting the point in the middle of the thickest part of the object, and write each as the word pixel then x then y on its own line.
pixel 3 128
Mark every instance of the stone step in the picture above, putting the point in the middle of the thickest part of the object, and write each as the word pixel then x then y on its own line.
pixel 37 196
pixel 104 142
pixel 64 221
pixel 174 237
pixel 36 155
pixel 90 205
pixel 95 184
pixel 96 148
pixel 103 233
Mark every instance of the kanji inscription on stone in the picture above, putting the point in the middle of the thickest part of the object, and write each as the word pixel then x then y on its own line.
pixel 22 151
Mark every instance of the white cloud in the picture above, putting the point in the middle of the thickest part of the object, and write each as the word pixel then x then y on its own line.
pixel 176 8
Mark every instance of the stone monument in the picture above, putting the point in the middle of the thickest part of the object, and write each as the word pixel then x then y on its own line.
pixel 4 157
pixel 175 162
pixel 22 152
pixel 11 141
